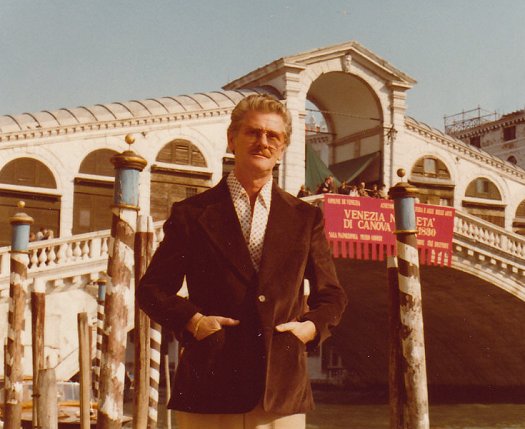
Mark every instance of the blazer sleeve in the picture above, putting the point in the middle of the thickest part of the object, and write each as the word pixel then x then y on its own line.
pixel 327 299
pixel 158 288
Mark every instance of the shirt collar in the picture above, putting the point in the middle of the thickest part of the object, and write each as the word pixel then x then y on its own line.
pixel 237 191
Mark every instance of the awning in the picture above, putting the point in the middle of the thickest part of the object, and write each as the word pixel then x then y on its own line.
pixel 316 170
pixel 349 170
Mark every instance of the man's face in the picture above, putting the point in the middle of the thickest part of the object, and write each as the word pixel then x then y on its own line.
pixel 259 143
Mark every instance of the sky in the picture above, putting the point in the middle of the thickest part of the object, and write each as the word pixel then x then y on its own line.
pixel 67 53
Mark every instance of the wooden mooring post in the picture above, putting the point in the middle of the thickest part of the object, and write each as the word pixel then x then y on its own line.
pixel 396 395
pixel 415 415
pixel 154 378
pixel 101 297
pixel 128 165
pixel 144 241
pixel 13 375
pixel 38 316
pixel 84 363
pixel 48 401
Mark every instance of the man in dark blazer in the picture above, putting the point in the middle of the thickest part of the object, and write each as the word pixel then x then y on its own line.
pixel 245 248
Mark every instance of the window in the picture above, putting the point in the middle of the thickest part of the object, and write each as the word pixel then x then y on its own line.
pixel 430 166
pixel 181 152
pixel 509 133
pixel 482 186
pixel 512 159
pixel 475 141
pixel 27 172
pixel 99 163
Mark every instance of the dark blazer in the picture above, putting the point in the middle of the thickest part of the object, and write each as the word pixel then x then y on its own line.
pixel 232 370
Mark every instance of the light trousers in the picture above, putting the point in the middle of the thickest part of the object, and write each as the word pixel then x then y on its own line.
pixel 255 419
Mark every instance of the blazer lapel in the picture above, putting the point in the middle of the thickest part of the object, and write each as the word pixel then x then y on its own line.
pixel 284 223
pixel 220 222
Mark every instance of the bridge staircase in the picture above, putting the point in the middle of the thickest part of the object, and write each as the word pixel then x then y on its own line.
pixel 69 268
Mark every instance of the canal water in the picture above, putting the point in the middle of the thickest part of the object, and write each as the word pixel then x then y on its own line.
pixel 449 416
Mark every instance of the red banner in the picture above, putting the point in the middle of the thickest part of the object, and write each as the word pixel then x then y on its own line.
pixel 363 228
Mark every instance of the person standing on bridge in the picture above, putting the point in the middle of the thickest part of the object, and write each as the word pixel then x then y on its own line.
pixel 245 247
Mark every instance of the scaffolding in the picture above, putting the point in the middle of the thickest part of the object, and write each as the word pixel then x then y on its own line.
pixel 455 124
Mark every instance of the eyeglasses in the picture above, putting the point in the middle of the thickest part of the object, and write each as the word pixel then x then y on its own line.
pixel 274 139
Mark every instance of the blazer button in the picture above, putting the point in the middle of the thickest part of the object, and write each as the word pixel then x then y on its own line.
pixel 261 298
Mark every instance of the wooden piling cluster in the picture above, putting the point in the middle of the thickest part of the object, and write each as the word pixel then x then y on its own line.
pixel 106 377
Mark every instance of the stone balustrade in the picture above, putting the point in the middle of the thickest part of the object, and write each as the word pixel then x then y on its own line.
pixel 483 234
pixel 59 261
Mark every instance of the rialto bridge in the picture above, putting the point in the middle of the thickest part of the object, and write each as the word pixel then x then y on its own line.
pixel 58 163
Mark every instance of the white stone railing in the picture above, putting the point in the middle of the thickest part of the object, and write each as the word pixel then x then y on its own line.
pixel 485 235
pixel 59 260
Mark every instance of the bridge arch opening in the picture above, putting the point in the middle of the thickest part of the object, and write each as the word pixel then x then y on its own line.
pixel 483 199
pixel 180 171
pixel 29 180
pixel 433 181
pixel 349 137
pixel 93 192
pixel 518 225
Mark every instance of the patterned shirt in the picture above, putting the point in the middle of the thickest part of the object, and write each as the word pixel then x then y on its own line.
pixel 253 225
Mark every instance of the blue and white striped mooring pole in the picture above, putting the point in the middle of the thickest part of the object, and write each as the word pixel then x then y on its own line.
pixel 128 166
pixel 415 410
pixel 21 223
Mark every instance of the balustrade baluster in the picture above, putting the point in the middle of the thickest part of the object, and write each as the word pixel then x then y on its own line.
pixel 69 252
pixel 85 251
pixel 42 258
pixel 62 254
pixel 77 252
pixel 104 247
pixel 51 257
pixel 33 258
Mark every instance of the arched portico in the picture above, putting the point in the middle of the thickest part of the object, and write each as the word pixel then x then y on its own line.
pixel 361 95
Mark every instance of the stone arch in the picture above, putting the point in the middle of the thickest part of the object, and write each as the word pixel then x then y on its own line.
pixel 25 171
pixel 354 118
pixel 518 223
pixel 30 180
pixel 98 162
pixel 181 152
pixel 433 180
pixel 93 192
pixel 483 199
pixel 180 171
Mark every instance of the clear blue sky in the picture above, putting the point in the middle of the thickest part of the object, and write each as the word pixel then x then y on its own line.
pixel 66 53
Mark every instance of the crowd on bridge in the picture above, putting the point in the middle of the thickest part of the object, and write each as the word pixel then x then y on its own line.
pixel 355 189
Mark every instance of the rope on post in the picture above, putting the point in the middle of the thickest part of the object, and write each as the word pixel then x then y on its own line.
pixel 118 296
pixel 415 413
pixel 17 296
pixel 101 282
